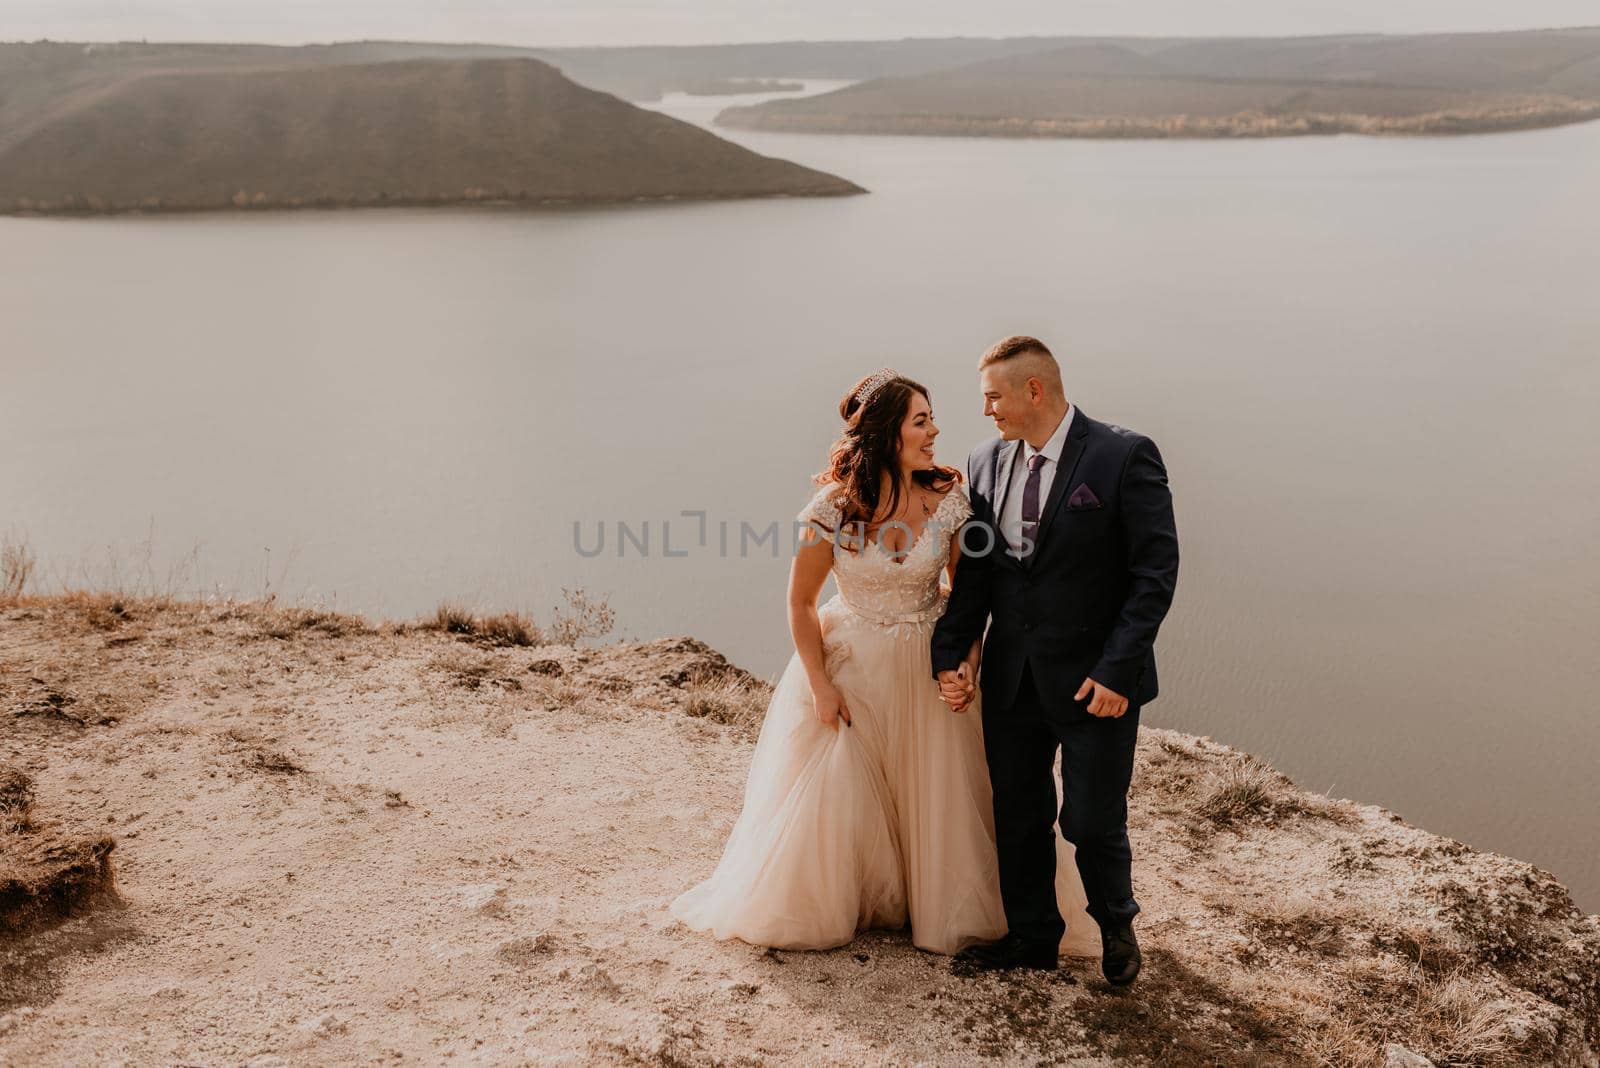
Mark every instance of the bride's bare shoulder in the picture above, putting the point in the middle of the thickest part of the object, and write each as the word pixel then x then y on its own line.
pixel 954 504
pixel 955 486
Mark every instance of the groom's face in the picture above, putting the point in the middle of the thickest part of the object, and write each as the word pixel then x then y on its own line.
pixel 1005 401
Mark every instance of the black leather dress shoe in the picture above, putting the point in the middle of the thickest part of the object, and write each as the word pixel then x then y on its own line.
pixel 1121 960
pixel 1009 952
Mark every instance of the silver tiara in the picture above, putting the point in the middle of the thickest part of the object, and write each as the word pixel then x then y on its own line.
pixel 876 382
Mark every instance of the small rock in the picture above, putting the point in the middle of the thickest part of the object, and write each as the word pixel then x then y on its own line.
pixel 547 667
pixel 523 952
pixel 1399 1057
pixel 596 980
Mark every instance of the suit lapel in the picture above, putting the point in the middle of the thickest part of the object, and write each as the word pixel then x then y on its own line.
pixel 1071 452
pixel 1006 459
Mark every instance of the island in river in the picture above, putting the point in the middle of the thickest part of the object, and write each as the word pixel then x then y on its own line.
pixel 275 129
pixel 1225 87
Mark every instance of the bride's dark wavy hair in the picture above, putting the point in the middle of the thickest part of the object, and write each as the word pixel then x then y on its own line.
pixel 870 445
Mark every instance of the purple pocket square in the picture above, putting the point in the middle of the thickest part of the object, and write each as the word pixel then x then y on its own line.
pixel 1083 497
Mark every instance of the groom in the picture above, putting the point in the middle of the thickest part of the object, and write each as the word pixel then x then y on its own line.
pixel 1070 557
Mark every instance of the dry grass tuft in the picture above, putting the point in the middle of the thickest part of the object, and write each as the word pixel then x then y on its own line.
pixel 16 567
pixel 1317 806
pixel 1461 1020
pixel 16 800
pixel 506 629
pixel 509 629
pixel 284 624
pixel 452 618
pixel 1340 1042
pixel 1454 1018
pixel 724 699
pixel 584 617
pixel 1242 789
pixel 107 613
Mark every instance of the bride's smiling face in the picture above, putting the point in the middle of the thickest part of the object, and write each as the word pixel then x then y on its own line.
pixel 917 432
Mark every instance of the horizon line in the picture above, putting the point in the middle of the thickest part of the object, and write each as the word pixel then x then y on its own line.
pixel 801 40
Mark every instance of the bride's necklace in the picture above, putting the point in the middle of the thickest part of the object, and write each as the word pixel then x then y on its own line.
pixel 922 501
pixel 876 532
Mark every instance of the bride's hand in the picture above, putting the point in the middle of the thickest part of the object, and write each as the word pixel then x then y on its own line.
pixel 830 706
pixel 956 688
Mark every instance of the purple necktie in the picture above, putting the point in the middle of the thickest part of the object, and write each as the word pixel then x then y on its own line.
pixel 1030 498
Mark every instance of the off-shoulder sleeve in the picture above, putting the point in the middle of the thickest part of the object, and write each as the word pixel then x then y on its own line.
pixel 957 506
pixel 823 511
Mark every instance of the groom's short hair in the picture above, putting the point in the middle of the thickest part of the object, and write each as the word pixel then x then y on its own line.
pixel 1009 348
pixel 1028 358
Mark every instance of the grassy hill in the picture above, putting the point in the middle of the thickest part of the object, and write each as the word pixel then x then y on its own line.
pixel 252 127
pixel 1441 83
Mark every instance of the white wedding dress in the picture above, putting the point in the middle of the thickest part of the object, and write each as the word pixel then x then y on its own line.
pixel 888 820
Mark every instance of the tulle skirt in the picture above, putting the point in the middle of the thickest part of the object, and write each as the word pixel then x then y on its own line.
pixel 886 822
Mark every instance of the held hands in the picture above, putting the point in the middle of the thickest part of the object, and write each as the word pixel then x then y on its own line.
pixel 957 688
pixel 829 705
pixel 1106 703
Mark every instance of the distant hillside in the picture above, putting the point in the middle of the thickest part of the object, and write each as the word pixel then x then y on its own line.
pixel 42 70
pixel 43 79
pixel 407 132
pixel 1444 83
pixel 644 73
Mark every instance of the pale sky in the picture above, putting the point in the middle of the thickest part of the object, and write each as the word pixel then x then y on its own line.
pixel 570 22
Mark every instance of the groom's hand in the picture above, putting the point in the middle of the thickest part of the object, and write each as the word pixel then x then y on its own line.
pixel 1106 703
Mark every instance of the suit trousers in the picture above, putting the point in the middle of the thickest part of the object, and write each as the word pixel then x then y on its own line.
pixel 1020 743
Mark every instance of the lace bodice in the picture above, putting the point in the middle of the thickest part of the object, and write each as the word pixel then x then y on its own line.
pixel 883 586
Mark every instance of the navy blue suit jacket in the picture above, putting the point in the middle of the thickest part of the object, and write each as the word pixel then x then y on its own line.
pixel 1088 600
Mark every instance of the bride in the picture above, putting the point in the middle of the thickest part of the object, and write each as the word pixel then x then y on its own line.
pixel 868 803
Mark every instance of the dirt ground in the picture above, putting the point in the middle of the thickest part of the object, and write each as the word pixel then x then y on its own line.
pixel 339 843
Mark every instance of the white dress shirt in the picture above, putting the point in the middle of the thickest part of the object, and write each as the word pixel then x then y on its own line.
pixel 1011 504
